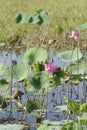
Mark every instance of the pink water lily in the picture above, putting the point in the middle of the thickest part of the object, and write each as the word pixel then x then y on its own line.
pixel 49 67
pixel 75 34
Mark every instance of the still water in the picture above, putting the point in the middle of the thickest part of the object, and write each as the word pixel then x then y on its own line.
pixel 55 99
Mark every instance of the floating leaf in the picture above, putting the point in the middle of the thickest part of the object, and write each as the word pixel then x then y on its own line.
pixel 44 127
pixel 2 69
pixel 35 55
pixel 44 18
pixel 80 67
pixel 21 18
pixel 36 81
pixel 2 44
pixel 5 90
pixel 11 126
pixel 42 80
pixel 40 18
pixel 34 19
pixel 68 126
pixel 61 108
pixel 82 27
pixel 70 55
pixel 72 126
pixel 19 72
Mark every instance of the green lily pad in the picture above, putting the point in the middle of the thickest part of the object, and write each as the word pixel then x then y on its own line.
pixel 11 126
pixel 41 18
pixel 5 90
pixel 48 127
pixel 44 18
pixel 70 55
pixel 61 108
pixel 35 55
pixel 82 27
pixel 19 72
pixel 2 68
pixel 21 18
pixel 72 126
pixel 33 19
pixel 80 67
pixel 42 80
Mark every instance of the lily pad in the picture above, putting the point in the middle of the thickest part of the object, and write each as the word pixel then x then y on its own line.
pixel 48 127
pixel 21 18
pixel 44 18
pixel 82 27
pixel 19 72
pixel 5 90
pixel 35 55
pixel 61 108
pixel 11 126
pixel 41 80
pixel 41 18
pixel 2 68
pixel 70 55
pixel 80 67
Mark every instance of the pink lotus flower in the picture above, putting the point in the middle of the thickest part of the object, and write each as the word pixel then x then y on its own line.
pixel 75 34
pixel 50 68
